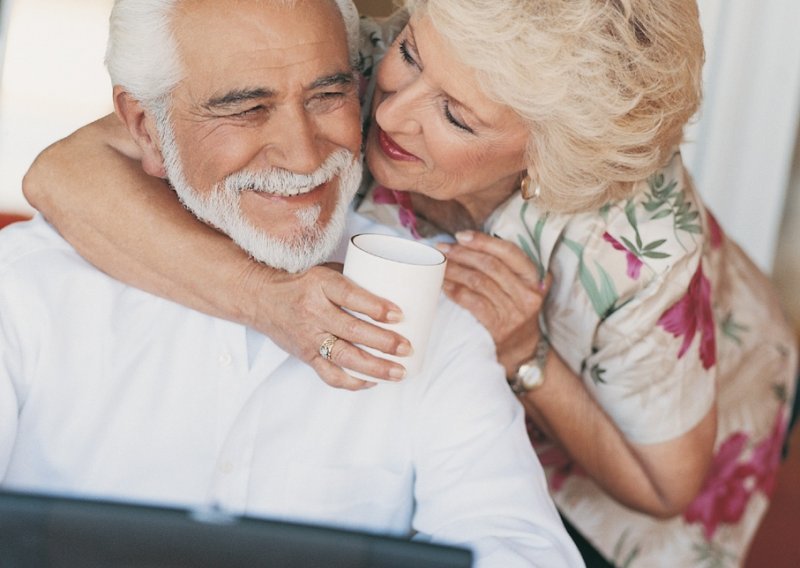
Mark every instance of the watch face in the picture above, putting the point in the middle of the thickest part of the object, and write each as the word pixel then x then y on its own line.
pixel 531 376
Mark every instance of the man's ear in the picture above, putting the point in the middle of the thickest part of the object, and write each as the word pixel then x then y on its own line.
pixel 141 127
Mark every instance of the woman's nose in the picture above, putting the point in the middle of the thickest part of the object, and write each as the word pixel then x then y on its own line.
pixel 399 111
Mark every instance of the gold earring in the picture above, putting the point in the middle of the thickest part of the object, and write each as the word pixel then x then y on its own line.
pixel 525 189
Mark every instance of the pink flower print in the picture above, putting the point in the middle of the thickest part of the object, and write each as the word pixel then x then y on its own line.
pixel 715 234
pixel 562 464
pixel 402 199
pixel 766 456
pixel 691 312
pixel 634 263
pixel 726 491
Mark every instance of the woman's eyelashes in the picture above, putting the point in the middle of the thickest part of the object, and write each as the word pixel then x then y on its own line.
pixel 405 54
pixel 453 120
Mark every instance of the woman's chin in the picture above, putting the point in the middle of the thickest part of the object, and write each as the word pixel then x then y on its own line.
pixel 382 172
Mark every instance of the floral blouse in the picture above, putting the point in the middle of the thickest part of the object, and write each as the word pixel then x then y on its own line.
pixel 662 317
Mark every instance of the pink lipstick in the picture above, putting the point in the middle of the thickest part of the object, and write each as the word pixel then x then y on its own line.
pixel 392 149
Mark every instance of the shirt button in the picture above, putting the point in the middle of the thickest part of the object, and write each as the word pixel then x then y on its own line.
pixel 226 467
pixel 225 359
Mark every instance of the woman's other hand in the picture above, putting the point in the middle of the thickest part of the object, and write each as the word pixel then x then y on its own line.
pixel 494 280
pixel 300 311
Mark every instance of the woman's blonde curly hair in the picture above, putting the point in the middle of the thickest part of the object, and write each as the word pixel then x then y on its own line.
pixel 606 86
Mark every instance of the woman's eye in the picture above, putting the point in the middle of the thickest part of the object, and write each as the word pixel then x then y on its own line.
pixel 454 121
pixel 405 54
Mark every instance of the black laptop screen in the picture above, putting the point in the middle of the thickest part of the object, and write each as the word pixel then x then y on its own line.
pixel 46 531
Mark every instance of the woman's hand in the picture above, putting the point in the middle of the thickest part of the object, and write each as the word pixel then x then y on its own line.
pixel 494 280
pixel 300 311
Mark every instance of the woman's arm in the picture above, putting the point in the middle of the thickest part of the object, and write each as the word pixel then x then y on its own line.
pixel 92 188
pixel 499 285
pixel 657 479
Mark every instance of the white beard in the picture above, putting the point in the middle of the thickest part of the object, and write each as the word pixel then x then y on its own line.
pixel 310 244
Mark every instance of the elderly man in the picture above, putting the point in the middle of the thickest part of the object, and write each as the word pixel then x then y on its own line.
pixel 249 107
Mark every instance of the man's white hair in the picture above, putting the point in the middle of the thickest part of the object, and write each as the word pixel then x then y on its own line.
pixel 142 55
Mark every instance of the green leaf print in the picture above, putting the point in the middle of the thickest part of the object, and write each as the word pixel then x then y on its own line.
pixel 535 237
pixel 710 555
pixel 526 248
pixel 647 250
pixel 666 200
pixel 617 553
pixel 731 329
pixel 663 213
pixel 630 246
pixel 654 244
pixel 603 296
pixel 630 213
pixel 597 373
pixel 654 254
pixel 695 229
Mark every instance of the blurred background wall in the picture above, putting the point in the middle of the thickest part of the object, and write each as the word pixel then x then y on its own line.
pixel 375 7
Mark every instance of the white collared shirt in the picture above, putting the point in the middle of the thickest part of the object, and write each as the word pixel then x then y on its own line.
pixel 108 391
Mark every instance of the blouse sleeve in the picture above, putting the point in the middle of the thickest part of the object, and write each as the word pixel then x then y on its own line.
pixel 630 307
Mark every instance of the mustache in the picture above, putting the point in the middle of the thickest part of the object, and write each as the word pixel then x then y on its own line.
pixel 287 183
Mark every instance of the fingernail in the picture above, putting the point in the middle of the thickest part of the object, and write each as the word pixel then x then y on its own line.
pixel 369 385
pixel 464 236
pixel 448 286
pixel 443 247
pixel 397 373
pixel 404 349
pixel 394 316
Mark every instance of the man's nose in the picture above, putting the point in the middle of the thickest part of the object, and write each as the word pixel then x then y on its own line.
pixel 295 143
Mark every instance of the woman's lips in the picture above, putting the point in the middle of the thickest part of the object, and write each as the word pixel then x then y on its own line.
pixel 392 149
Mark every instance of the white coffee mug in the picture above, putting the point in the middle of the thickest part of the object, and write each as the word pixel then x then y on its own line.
pixel 406 272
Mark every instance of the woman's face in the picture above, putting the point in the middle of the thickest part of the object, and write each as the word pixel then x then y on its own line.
pixel 433 129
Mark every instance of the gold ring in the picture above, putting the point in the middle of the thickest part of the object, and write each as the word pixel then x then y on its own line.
pixel 326 349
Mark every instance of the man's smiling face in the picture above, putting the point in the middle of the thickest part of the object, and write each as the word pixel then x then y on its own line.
pixel 268 86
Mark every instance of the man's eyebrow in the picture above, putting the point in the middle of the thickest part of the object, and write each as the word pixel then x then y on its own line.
pixel 336 79
pixel 238 96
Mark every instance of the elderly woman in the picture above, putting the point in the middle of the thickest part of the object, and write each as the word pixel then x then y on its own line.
pixel 657 371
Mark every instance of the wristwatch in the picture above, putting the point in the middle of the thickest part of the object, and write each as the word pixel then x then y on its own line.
pixel 530 374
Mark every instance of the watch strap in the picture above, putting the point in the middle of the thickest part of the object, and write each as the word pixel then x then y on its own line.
pixel 530 374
